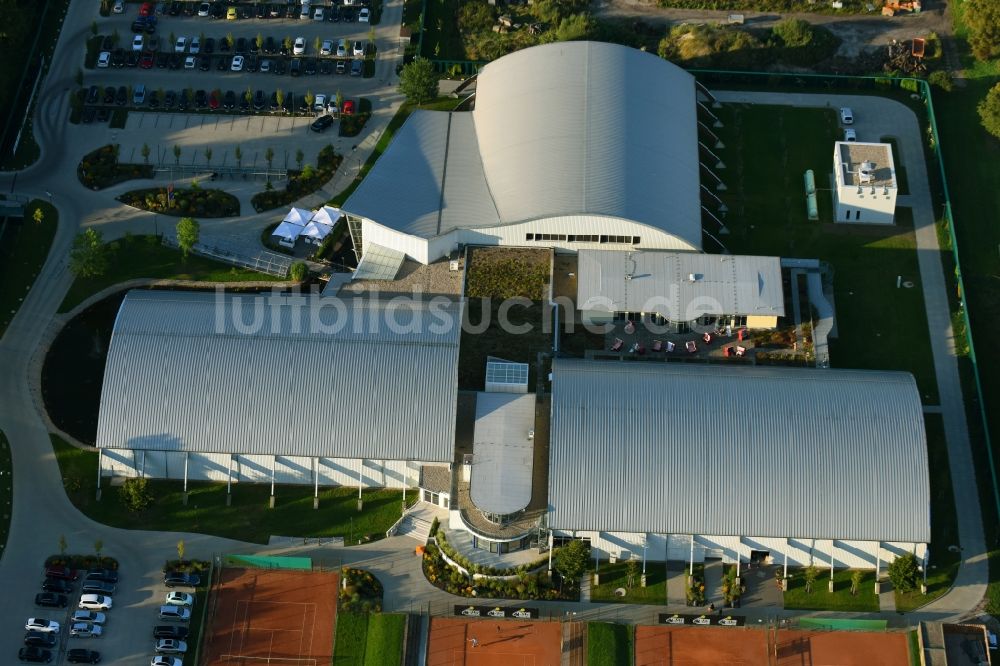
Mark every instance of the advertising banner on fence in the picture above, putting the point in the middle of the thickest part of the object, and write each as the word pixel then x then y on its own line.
pixel 703 620
pixel 497 612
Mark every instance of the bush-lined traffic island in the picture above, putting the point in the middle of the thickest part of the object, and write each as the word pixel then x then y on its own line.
pixel 178 202
pixel 100 168
pixel 301 182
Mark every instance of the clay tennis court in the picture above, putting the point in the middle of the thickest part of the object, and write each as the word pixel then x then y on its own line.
pixel 721 646
pixel 272 618
pixel 517 643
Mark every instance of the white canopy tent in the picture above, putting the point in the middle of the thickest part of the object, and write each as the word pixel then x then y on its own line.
pixel 287 233
pixel 315 232
pixel 298 216
pixel 327 215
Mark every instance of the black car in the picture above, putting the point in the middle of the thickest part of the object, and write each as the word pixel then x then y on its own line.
pixel 321 123
pixel 87 117
pixel 205 63
pixel 268 46
pixel 310 66
pixel 98 587
pixel 184 100
pixel 260 11
pixel 93 94
pixel 304 106
pixel 274 10
pixel 106 575
pixel 103 113
pixel 325 67
pixel 279 67
pixel 225 46
pixel 190 8
pixel 289 105
pixel 245 11
pixel 162 59
pixel 57 585
pixel 153 99
pixel 252 64
pixel 244 106
pixel 228 102
pixel 83 656
pixel 241 46
pixel 169 100
pixel 274 106
pixel 218 10
pixel 107 43
pixel 175 61
pixel 259 100
pixel 118 58
pixel 175 9
pixel 132 60
pixel 224 63
pixel 50 599
pixel 253 47
pixel 295 69
pixel 209 46
pixel 170 631
pixel 35 655
pixel 335 14
pixel 200 99
pixel 138 26
pixel 39 638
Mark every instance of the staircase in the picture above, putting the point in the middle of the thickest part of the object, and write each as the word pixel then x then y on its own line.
pixel 415 527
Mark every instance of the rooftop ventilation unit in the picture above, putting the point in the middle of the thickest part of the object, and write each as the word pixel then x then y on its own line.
pixel 867 172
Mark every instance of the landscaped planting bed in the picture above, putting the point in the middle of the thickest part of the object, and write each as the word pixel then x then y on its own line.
pixel 100 169
pixel 300 183
pixel 193 201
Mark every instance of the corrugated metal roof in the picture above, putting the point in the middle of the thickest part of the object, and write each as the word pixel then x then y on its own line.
pixel 502 453
pixel 256 374
pixel 610 131
pixel 619 281
pixel 688 448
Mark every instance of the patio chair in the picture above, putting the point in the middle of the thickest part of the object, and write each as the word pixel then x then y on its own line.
pixel 617 346
pixel 741 351
pixel 728 351
pixel 629 327
pixel 707 337
pixel 657 346
pixel 670 346
pixel 691 346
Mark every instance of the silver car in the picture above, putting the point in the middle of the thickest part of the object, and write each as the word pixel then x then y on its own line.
pixel 86 630
pixel 170 646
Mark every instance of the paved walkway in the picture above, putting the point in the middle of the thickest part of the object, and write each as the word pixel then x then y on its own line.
pixel 877 117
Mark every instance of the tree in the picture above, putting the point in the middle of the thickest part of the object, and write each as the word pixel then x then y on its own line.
pixel 982 18
pixel 230 40
pixel 299 156
pixel 38 215
pixel 309 98
pixel 339 100
pixel 144 151
pixel 631 572
pixel 238 154
pixel 177 154
pixel 903 572
pixel 208 155
pixel 188 232
pixel 298 271
pixel 287 44
pixel 570 561
pixel 98 547
pixel 811 574
pixel 135 494
pixel 793 32
pixel 62 544
pixel 173 40
pixel 989 111
pixel 259 40
pixel 269 156
pixel 180 550
pixel 856 577
pixel 941 79
pixel 89 255
pixel 279 97
pixel 418 81
pixel 317 42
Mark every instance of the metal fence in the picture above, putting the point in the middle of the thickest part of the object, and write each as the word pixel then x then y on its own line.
pixel 214 172
pixel 263 262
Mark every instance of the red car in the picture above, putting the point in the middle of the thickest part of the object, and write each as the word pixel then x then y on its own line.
pixel 147 60
pixel 147 9
pixel 213 100
pixel 61 572
pixel 348 109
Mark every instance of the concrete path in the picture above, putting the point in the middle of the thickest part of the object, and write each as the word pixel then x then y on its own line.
pixel 877 117
pixel 676 583
pixel 887 597
pixel 713 582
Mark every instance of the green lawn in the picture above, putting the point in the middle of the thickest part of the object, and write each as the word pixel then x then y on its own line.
pixel 796 597
pixel 610 644
pixel 248 519
pixel 385 640
pixel 24 246
pixel 769 148
pixel 944 531
pixel 143 257
pixel 440 104
pixel 6 491
pixel 351 639
pixel 614 576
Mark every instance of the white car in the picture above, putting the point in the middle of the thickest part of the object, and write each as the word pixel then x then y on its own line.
pixel 89 616
pixel 190 62
pixel 98 602
pixel 170 646
pixel 364 15
pixel 359 48
pixel 179 598
pixel 318 14
pixel 237 65
pixel 41 624
pixel 204 9
pixel 104 59
pixel 195 45
pixel 119 7
pixel 325 49
pixel 180 45
pixel 319 105
pixel 850 134
pixel 163 660
pixel 86 630
pixel 265 66
pixel 846 115
pixel 137 42
pixel 299 47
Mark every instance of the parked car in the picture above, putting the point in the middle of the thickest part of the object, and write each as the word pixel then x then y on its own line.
pixel 83 656
pixel 231 14
pixel 175 9
pixel 357 67
pixel 204 9
pixel 321 124
pixel 365 15
pixel 119 7
pixel 325 67
pixel 95 602
pixel 326 48
pixel 850 134
pixel 57 585
pixel 295 68
pixel 86 630
pixel 34 655
pixel 237 65
pixel 103 59
pixel 147 60
pixel 41 624
pixel 89 616
pixel 846 115
pixel 179 578
pixel 229 100
pixel 318 14
pixel 170 631
pixel 132 59
pixel 214 102
pixel 258 100
pixel 180 45
pixel 138 42
pixel 348 107
pixel 121 96
pixel 309 66
pixel 109 95
pixel 200 99
pixel 147 9
pixel 209 46
pixel 194 45
pixel 39 639
pixel 299 46
pixel 358 48
pixel 175 614
pixel 170 99
pixel 164 660
pixel 107 575
pixel 170 646
pixel 93 96
pixel 341 67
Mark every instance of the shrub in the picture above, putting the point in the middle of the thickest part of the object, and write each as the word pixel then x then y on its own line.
pixel 941 79
pixel 298 271
pixel 904 572
pixel 794 32
pixel 989 111
pixel 135 494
